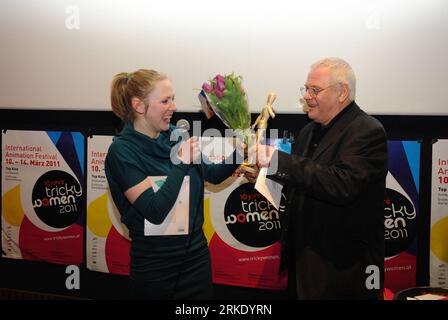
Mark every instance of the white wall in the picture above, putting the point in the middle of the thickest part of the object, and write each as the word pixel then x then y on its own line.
pixel 62 54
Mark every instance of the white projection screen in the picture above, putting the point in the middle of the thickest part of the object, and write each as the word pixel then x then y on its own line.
pixel 62 55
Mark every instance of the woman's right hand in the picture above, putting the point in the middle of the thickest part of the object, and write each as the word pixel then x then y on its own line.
pixel 189 151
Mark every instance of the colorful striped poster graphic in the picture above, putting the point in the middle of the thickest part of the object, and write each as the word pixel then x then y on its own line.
pixel 439 216
pixel 107 239
pixel 400 214
pixel 43 196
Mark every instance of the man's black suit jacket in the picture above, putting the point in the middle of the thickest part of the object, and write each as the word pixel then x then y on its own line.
pixel 342 188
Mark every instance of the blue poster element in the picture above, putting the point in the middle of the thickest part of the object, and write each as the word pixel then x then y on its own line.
pixel 404 165
pixel 54 136
pixel 78 140
pixel 71 147
pixel 66 147
pixel 278 144
pixel 412 149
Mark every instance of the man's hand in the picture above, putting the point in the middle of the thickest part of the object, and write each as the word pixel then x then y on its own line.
pixel 252 176
pixel 264 155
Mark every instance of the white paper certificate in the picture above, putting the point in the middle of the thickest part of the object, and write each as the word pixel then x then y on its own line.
pixel 270 189
pixel 176 222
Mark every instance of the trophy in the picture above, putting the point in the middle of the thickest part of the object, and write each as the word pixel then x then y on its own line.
pixel 261 124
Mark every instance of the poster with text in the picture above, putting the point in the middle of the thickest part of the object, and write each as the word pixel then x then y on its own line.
pixel 108 243
pixel 439 216
pixel 242 227
pixel 400 214
pixel 43 196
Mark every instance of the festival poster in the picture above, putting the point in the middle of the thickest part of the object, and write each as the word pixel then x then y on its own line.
pixel 43 196
pixel 242 228
pixel 108 242
pixel 439 216
pixel 400 214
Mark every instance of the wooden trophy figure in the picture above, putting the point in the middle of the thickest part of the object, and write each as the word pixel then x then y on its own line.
pixel 261 124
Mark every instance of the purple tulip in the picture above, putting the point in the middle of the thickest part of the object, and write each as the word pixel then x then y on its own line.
pixel 221 85
pixel 219 78
pixel 218 92
pixel 220 82
pixel 207 87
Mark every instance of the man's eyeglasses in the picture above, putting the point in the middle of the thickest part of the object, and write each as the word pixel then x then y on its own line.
pixel 312 91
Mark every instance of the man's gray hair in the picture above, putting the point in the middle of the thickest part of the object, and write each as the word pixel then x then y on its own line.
pixel 340 71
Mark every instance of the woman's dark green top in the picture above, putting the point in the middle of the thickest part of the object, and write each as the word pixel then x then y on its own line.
pixel 134 156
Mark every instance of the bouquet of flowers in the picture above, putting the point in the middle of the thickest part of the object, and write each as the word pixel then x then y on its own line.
pixel 229 102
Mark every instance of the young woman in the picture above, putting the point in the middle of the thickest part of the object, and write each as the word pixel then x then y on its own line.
pixel 163 266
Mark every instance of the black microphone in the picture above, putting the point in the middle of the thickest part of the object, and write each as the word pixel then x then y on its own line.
pixel 182 130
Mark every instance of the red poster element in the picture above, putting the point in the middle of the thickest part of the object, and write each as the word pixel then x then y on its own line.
pixel 62 247
pixel 117 252
pixel 400 272
pixel 256 269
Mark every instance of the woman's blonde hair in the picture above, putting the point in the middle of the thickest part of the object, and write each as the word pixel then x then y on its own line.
pixel 125 86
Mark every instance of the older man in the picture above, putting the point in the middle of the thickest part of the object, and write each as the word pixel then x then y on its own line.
pixel 335 179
